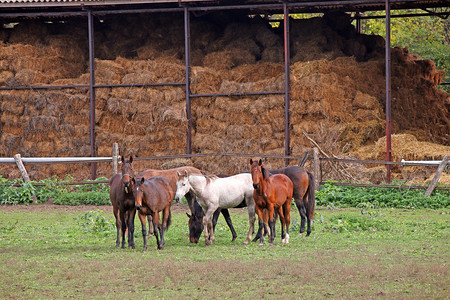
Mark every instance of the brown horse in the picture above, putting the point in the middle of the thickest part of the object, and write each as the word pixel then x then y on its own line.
pixel 171 174
pixel 122 200
pixel 151 197
pixel 271 193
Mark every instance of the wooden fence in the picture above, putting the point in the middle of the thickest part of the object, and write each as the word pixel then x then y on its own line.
pixel 115 159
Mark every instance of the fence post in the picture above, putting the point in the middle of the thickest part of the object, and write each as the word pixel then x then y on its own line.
pixel 23 172
pixel 316 168
pixel 436 177
pixel 115 155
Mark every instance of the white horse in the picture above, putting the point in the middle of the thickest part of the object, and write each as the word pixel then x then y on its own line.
pixel 213 192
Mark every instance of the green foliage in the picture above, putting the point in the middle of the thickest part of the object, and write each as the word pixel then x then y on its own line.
pixel 344 222
pixel 342 196
pixel 83 198
pixel 11 194
pixel 15 192
pixel 95 221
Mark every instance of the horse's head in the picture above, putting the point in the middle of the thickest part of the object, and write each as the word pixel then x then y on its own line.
pixel 195 222
pixel 195 228
pixel 127 173
pixel 183 185
pixel 138 191
pixel 256 170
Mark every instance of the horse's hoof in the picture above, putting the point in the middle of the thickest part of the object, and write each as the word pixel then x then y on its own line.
pixel 234 238
pixel 246 242
pixel 208 242
pixel 261 244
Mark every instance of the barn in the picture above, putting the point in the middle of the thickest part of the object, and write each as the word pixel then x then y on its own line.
pixel 164 78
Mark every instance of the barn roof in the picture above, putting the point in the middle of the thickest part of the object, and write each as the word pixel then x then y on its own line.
pixel 10 7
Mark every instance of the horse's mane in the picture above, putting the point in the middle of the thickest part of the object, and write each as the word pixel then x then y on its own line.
pixel 210 178
pixel 265 172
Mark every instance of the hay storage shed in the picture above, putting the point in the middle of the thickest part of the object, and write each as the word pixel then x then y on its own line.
pixel 192 77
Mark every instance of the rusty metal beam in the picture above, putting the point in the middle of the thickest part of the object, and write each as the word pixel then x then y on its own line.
pixel 92 90
pixel 388 90
pixel 187 49
pixel 287 100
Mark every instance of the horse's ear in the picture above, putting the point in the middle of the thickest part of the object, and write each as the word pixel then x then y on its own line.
pixel 122 159
pixel 131 159
pixel 142 180
pixel 133 180
pixel 178 174
pixel 186 173
pixel 251 161
pixel 260 162
pixel 190 217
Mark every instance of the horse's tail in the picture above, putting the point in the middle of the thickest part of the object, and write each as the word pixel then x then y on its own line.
pixel 311 197
pixel 169 220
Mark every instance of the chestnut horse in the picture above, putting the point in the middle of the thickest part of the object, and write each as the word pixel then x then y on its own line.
pixel 271 193
pixel 151 197
pixel 122 200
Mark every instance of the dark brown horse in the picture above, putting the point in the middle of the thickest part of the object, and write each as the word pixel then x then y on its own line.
pixel 304 193
pixel 153 196
pixel 271 193
pixel 122 200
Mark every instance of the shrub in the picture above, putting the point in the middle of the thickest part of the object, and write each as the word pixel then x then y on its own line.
pixel 96 222
pixel 83 198
pixel 345 196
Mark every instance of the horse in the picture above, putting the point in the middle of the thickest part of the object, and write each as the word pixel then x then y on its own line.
pixel 271 193
pixel 303 193
pixel 213 193
pixel 151 197
pixel 195 222
pixel 122 200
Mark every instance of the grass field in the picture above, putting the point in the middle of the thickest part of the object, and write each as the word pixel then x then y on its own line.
pixel 50 252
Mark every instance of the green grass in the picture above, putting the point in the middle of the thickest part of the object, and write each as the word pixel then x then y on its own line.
pixel 53 252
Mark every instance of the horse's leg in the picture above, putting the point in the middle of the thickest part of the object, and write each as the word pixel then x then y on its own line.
pixel 287 218
pixel 215 217
pixel 118 225
pixel 143 219
pixel 131 216
pixel 251 220
pixel 165 225
pixel 123 223
pixel 226 215
pixel 261 217
pixel 157 229
pixel 283 223
pixel 150 225
pixel 207 224
pixel 270 210
pixel 266 223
